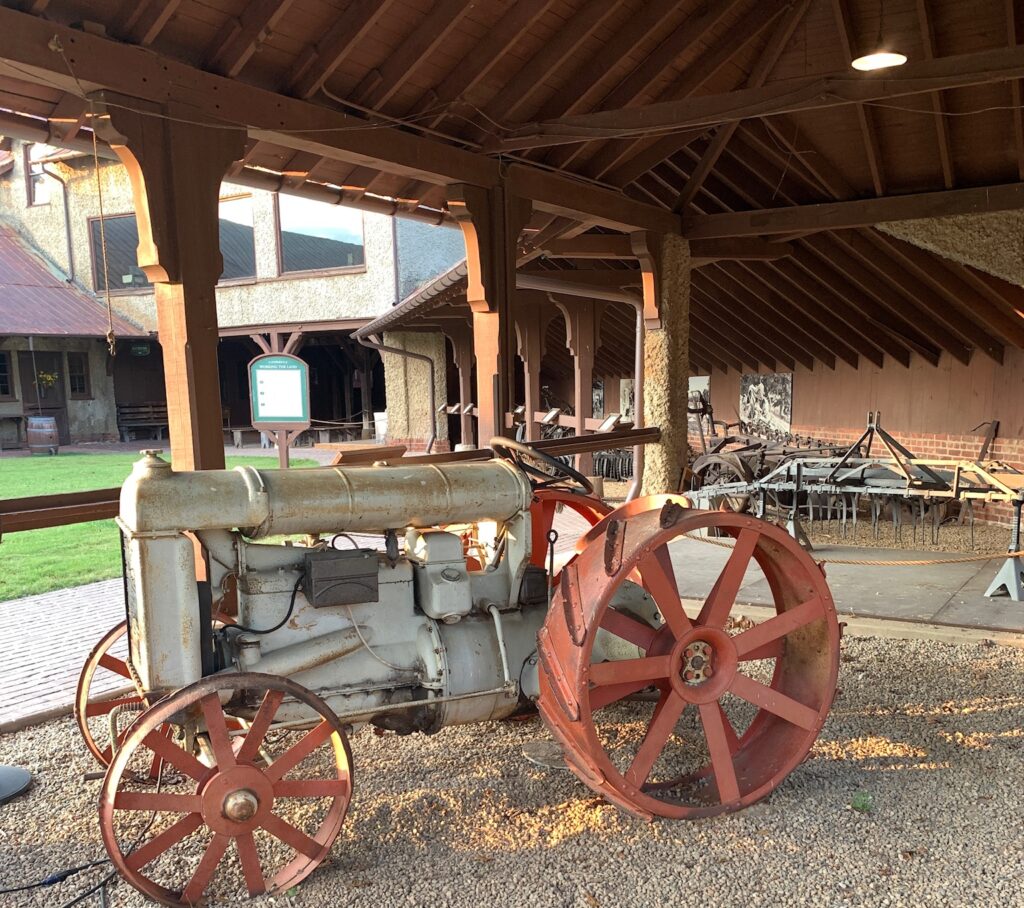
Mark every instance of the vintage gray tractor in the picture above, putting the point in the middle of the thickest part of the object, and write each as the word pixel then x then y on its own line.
pixel 425 596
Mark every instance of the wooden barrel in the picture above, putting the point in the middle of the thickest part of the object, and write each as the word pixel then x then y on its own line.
pixel 42 435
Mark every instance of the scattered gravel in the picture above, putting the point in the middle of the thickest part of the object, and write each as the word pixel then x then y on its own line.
pixel 911 797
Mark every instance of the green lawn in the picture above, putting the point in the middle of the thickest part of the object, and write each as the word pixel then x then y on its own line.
pixel 42 560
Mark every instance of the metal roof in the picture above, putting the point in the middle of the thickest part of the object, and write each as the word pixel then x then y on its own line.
pixel 33 301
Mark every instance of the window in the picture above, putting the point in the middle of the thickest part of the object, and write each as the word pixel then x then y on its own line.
pixel 78 376
pixel 316 236
pixel 6 377
pixel 37 186
pixel 237 247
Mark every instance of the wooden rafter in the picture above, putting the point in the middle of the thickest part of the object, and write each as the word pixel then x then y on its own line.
pixel 586 81
pixel 864 246
pixel 519 17
pixel 867 127
pixel 932 270
pixel 789 135
pixel 759 74
pixel 826 324
pixel 316 64
pixel 143 20
pixel 859 213
pixel 617 155
pixel 1013 27
pixel 780 97
pixel 745 344
pixel 522 87
pixel 937 101
pixel 380 85
pixel 241 37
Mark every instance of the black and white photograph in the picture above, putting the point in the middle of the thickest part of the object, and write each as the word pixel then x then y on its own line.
pixel 766 403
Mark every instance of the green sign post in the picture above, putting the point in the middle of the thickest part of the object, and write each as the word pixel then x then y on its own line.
pixel 279 398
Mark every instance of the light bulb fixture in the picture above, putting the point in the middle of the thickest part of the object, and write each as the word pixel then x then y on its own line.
pixel 882 59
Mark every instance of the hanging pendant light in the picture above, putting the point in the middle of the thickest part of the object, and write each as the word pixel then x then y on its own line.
pixel 882 57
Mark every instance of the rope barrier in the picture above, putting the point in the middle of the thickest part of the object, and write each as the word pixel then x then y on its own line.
pixel 878 562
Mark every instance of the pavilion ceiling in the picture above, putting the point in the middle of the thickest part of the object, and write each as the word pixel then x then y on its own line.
pixel 436 91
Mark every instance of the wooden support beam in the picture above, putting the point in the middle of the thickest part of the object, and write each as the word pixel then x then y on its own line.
pixel 847 42
pixel 491 222
pixel 460 334
pixel 859 213
pixel 242 37
pixel 175 169
pixel 702 252
pixel 316 64
pixel 531 321
pixel 780 97
pixel 937 101
pixel 777 43
pixel 581 340
pixel 102 63
pixel 380 85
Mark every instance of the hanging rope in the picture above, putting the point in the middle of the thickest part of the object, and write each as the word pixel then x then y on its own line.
pixel 111 339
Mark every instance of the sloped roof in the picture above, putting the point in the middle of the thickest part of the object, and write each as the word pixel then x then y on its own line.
pixel 35 302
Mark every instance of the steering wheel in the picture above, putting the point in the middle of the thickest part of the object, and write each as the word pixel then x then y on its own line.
pixel 544 470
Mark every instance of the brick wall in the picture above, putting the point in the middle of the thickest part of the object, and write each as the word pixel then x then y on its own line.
pixel 939 446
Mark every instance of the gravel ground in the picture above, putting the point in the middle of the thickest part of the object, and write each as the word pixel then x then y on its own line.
pixel 912 796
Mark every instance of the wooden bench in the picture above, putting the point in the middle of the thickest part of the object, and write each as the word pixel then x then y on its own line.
pixel 146 417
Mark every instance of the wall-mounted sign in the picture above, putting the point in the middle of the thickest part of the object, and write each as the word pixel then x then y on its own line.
pixel 140 349
pixel 279 392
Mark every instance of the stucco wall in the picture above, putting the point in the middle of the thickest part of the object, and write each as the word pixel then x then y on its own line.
pixel 270 298
pixel 424 251
pixel 990 242
pixel 407 387
pixel 94 419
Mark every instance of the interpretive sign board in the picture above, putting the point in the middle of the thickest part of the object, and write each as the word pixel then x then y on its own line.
pixel 279 398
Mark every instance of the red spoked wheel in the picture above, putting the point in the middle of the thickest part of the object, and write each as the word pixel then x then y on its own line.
pixel 731 709
pixel 546 503
pixel 105 683
pixel 276 797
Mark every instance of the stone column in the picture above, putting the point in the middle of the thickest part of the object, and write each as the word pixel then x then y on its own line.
pixel 665 262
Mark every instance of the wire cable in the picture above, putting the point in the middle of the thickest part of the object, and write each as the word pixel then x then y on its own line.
pixel 282 622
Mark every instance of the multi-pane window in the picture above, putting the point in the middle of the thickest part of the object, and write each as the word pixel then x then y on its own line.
pixel 316 236
pixel 37 188
pixel 78 375
pixel 6 378
pixel 237 247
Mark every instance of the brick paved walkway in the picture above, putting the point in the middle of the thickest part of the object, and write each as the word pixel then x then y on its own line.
pixel 46 640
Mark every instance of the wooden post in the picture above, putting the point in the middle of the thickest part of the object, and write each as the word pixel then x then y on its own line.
pixel 461 336
pixel 665 263
pixel 175 169
pixel 491 222
pixel 581 322
pixel 531 321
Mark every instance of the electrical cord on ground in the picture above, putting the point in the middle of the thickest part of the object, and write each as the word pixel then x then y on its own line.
pixel 282 622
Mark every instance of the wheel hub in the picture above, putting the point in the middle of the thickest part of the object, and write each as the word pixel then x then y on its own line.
pixel 240 805
pixel 698 663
